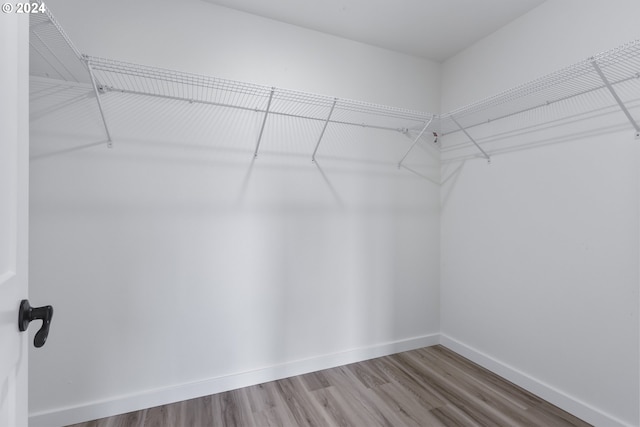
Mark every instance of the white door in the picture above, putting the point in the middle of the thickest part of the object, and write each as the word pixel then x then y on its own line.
pixel 14 163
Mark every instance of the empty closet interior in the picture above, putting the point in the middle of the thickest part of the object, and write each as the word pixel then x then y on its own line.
pixel 219 199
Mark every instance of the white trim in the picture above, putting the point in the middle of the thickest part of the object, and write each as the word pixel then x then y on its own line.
pixel 162 396
pixel 547 392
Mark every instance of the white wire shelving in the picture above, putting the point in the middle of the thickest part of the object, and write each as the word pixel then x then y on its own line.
pixel 123 77
pixel 53 55
pixel 606 71
pixel 51 52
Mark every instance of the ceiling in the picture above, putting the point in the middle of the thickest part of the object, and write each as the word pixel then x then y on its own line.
pixel 432 29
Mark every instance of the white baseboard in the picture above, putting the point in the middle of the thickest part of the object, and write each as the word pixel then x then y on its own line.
pixel 562 400
pixel 151 398
pixel 156 397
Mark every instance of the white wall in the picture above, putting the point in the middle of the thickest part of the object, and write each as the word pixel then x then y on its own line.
pixel 539 250
pixel 540 257
pixel 178 266
pixel 200 37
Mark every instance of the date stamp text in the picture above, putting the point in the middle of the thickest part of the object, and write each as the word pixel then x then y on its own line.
pixel 34 7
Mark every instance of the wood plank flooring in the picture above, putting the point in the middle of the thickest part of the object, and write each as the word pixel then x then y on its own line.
pixel 427 387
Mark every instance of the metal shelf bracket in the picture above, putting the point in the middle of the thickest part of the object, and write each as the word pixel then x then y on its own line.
pixel 415 141
pixel 97 94
pixel 264 122
pixel 324 128
pixel 616 97
pixel 484 153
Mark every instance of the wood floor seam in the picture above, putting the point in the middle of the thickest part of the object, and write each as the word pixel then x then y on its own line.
pixel 427 387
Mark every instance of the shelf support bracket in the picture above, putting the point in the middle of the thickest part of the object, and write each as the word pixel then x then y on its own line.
pixel 616 97
pixel 324 128
pixel 484 153
pixel 415 141
pixel 96 92
pixel 264 121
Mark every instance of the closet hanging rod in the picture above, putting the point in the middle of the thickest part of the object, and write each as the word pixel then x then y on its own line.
pixel 57 57
pixel 621 65
pixel 137 79
pixel 255 110
pixel 540 105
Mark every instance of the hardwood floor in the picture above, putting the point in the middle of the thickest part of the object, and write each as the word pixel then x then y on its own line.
pixel 427 387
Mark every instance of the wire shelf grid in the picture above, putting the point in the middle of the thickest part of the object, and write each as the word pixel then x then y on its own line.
pixel 53 55
pixel 618 65
pixel 144 80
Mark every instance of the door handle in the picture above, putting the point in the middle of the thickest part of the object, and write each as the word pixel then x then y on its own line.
pixel 28 313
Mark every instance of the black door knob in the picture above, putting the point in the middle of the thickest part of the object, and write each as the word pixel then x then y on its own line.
pixel 28 313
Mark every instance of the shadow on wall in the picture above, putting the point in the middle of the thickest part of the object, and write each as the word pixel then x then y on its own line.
pixel 194 260
pixel 155 133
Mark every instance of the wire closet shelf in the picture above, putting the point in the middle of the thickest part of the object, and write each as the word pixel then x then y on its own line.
pixel 153 81
pixel 606 71
pixel 51 52
pixel 53 55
